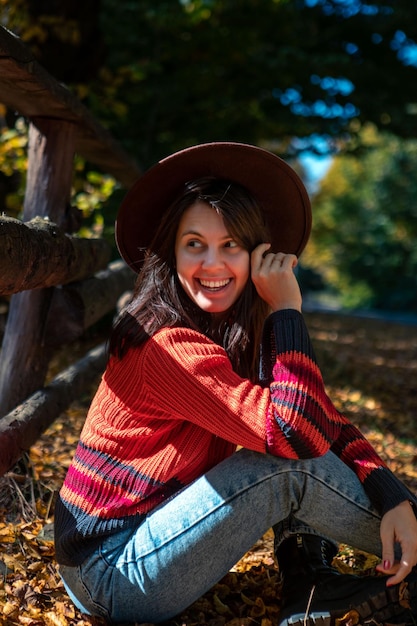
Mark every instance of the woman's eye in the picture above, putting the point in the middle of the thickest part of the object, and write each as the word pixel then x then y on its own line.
pixel 231 244
pixel 193 243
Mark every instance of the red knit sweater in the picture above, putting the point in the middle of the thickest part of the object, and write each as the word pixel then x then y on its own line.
pixel 173 408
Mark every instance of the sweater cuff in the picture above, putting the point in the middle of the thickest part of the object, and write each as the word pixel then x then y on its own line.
pixel 386 491
pixel 284 331
pixel 291 333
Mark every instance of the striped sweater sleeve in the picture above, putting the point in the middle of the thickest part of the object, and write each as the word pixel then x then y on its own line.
pixel 299 405
pixel 303 411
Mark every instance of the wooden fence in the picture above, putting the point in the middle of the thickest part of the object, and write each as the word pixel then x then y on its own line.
pixel 59 284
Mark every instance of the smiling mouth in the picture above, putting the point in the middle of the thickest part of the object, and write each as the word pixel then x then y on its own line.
pixel 214 284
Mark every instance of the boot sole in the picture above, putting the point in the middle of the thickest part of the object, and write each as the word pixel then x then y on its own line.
pixel 393 603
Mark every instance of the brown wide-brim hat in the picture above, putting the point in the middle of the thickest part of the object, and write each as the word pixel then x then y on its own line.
pixel 273 183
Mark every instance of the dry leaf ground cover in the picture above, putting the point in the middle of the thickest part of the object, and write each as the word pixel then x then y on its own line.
pixel 370 370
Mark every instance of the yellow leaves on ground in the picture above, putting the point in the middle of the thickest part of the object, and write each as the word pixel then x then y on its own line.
pixel 7 533
pixel 369 367
pixel 243 597
pixel 30 588
pixel 351 618
pixel 354 561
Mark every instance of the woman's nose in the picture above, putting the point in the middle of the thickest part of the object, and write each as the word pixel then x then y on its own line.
pixel 212 258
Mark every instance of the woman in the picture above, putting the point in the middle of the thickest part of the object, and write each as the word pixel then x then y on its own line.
pixel 158 505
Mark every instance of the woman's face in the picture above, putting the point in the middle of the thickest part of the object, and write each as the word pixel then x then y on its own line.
pixel 212 267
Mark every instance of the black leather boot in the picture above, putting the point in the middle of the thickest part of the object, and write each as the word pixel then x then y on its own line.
pixel 315 594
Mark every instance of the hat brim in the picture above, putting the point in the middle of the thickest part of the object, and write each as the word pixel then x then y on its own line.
pixel 276 186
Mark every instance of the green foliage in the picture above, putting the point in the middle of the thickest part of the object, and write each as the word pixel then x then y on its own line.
pixel 365 225
pixel 251 70
pixel 91 190
pixel 13 160
pixel 15 15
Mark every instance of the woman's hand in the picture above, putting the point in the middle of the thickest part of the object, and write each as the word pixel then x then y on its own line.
pixel 274 279
pixel 399 525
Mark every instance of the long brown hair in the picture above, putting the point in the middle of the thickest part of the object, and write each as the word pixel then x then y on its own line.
pixel 159 299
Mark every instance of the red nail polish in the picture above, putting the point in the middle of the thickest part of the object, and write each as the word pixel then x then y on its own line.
pixel 387 564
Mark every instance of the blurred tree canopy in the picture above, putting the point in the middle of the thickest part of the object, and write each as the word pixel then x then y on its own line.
pixel 289 75
pixel 163 74
pixel 365 225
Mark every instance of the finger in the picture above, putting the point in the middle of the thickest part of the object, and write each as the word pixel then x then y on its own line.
pixel 404 568
pixel 258 254
pixel 290 261
pixel 387 531
pixel 273 260
pixel 387 568
pixel 280 260
pixel 388 557
pixel 398 570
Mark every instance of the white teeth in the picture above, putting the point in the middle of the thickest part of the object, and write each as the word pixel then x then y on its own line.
pixel 214 284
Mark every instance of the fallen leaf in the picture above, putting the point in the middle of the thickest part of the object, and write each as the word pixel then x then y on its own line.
pixel 351 618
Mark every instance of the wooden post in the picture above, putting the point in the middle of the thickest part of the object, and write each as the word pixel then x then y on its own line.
pixel 24 359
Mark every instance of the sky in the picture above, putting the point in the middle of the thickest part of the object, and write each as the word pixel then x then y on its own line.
pixel 316 167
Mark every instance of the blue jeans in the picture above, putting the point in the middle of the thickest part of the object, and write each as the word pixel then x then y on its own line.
pixel 153 572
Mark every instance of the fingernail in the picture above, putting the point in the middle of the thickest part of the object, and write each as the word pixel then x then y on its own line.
pixel 387 564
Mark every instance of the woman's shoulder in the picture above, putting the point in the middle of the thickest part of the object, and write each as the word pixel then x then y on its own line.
pixel 174 337
pixel 176 343
pixel 182 344
pixel 179 332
